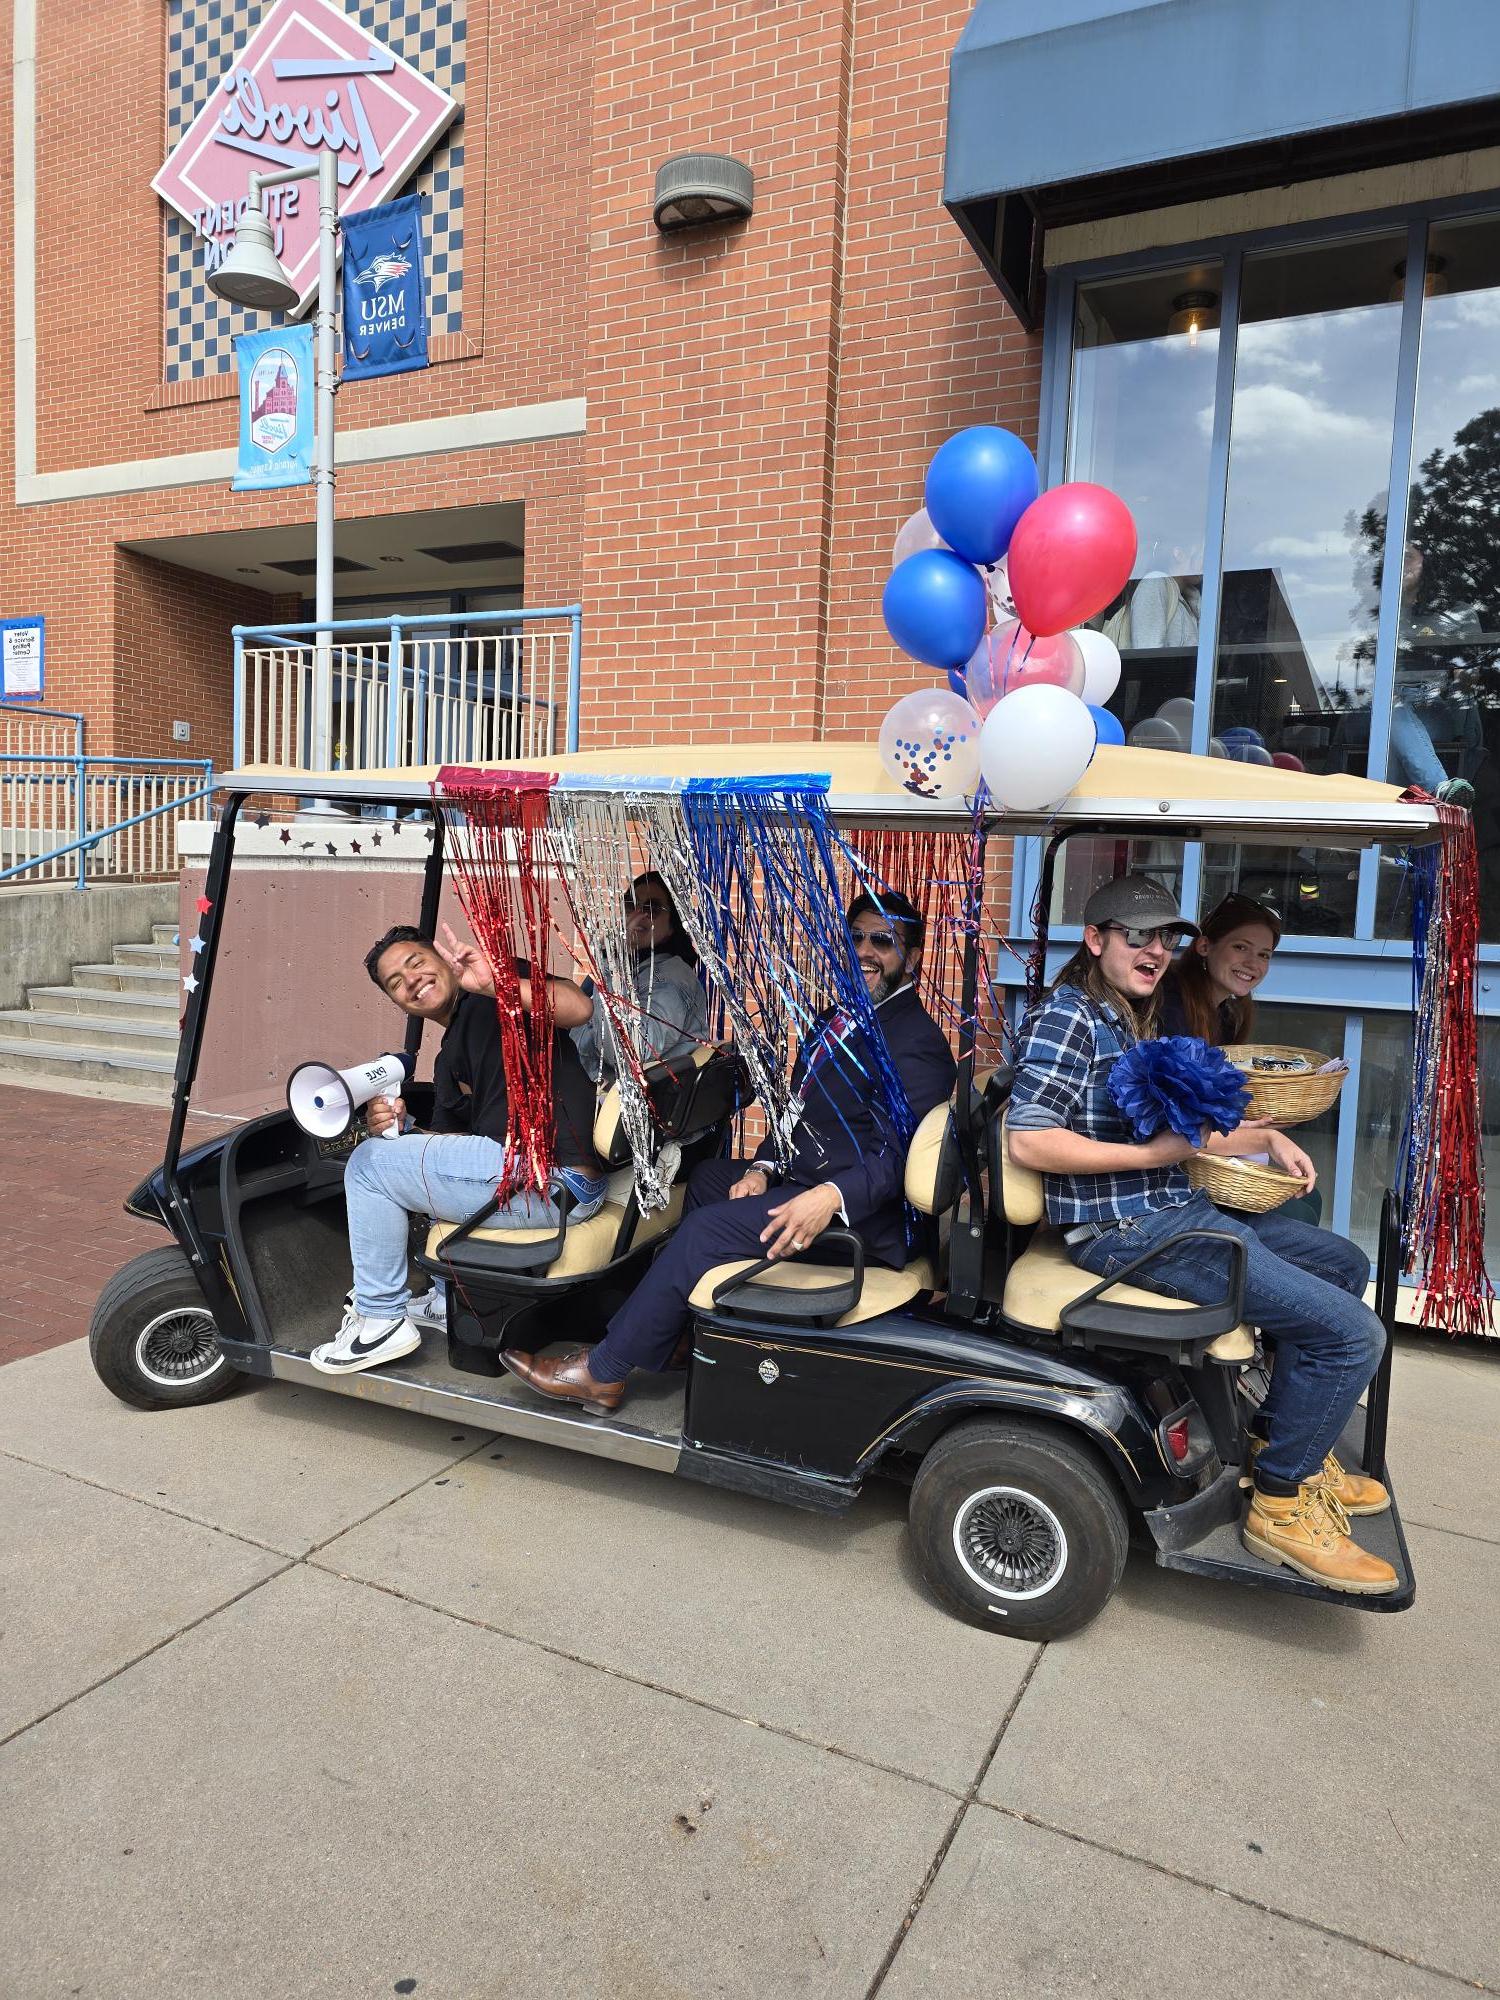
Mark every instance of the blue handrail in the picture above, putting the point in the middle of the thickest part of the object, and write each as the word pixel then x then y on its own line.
pixel 76 775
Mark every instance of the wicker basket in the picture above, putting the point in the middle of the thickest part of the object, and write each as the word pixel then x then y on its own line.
pixel 1291 1097
pixel 1242 1184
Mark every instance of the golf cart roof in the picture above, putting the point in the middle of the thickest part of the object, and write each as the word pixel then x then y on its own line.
pixel 1167 792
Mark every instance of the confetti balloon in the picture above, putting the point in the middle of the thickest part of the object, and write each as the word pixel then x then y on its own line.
pixel 929 743
pixel 915 534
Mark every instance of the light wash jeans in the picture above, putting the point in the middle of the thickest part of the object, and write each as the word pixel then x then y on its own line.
pixel 1328 1341
pixel 447 1176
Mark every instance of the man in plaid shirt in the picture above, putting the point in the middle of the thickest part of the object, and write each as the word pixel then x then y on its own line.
pixel 1117 1198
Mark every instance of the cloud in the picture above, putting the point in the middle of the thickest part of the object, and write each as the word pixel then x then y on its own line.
pixel 1268 413
pixel 1474 308
pixel 1290 548
pixel 1282 346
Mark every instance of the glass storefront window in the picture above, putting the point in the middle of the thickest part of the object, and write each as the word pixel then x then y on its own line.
pixel 1309 466
pixel 1322 1029
pixel 1445 718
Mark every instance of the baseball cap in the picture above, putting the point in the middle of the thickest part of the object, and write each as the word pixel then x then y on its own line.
pixel 1139 902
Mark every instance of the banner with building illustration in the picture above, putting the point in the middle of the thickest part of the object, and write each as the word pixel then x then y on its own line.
pixel 385 291
pixel 276 408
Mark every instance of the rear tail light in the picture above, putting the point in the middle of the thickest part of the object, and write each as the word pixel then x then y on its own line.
pixel 1177 1439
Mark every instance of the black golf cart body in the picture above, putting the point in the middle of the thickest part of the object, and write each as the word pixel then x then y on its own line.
pixel 1040 1418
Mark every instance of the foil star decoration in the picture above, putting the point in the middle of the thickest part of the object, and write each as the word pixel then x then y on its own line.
pixel 303 845
pixel 286 836
pixel 262 819
pixel 190 983
pixel 330 846
pixel 195 945
pixel 204 906
pixel 374 840
pixel 355 848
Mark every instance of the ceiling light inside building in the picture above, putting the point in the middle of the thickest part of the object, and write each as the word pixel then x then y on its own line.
pixel 1433 285
pixel 694 188
pixel 1194 313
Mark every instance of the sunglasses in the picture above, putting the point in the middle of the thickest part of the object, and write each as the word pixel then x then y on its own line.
pixel 649 908
pixel 1170 935
pixel 1249 906
pixel 881 940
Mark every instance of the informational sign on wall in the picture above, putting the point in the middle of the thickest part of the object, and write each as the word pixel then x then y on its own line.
pixel 21 665
pixel 276 408
pixel 385 291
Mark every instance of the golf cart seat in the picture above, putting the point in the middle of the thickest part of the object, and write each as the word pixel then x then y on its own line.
pixel 691 1095
pixel 1043 1282
pixel 844 1294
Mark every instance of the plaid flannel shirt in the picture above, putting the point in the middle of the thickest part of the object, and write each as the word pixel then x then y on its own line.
pixel 1062 1083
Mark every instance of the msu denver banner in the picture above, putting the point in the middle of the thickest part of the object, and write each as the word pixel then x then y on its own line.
pixel 385 291
pixel 276 407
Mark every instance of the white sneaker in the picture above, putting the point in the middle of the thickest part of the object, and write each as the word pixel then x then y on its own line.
pixel 430 1312
pixel 365 1343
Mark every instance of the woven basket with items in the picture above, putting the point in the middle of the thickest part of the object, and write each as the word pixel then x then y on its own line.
pixel 1289 1085
pixel 1248 1185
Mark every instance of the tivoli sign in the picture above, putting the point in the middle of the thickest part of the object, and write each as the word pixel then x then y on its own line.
pixel 308 79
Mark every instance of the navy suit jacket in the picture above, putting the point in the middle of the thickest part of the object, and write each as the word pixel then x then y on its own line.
pixel 844 1132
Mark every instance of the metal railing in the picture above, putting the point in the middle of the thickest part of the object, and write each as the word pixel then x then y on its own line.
pixel 69 817
pixel 470 687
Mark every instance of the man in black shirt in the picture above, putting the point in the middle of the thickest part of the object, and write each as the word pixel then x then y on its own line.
pixel 453 1170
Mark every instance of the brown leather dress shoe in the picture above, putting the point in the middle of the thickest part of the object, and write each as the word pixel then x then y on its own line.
pixel 566 1379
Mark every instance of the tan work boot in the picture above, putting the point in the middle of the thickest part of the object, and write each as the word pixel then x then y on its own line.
pixel 1354 1492
pixel 1309 1532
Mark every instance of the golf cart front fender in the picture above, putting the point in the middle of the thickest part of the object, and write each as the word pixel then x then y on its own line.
pixel 1104 1414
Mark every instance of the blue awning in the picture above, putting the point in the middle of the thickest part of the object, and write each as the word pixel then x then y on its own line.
pixel 1064 110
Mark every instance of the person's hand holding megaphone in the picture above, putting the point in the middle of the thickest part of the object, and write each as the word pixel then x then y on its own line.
pixel 385 1115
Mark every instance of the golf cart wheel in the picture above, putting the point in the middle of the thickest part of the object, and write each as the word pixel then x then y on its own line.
pixel 1017 1528
pixel 152 1338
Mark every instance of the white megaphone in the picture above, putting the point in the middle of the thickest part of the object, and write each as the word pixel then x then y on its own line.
pixel 324 1100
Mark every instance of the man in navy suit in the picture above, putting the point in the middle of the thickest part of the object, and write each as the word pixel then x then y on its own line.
pixel 846 1162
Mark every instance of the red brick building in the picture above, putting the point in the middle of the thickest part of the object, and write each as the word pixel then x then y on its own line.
pixel 708 439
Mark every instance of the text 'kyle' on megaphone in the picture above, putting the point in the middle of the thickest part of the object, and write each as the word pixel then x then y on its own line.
pixel 323 1100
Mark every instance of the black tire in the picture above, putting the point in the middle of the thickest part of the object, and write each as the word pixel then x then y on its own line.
pixel 152 1336
pixel 1033 1513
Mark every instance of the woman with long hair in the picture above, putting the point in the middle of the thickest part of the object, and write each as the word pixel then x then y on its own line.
pixel 1209 990
pixel 669 997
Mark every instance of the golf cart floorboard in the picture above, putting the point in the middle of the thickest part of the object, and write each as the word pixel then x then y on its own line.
pixel 1221 1553
pixel 428 1383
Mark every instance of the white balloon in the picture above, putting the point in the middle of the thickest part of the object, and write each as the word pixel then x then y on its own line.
pixel 1155 733
pixel 1179 712
pixel 1101 665
pixel 1034 747
pixel 915 534
pixel 997 583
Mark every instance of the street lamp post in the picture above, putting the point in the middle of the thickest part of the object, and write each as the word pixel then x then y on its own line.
pixel 253 275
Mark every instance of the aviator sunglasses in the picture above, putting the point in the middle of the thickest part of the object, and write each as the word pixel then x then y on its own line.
pixel 1170 935
pixel 881 940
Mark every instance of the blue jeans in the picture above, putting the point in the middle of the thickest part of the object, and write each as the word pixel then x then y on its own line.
pixel 1298 1290
pixel 447 1176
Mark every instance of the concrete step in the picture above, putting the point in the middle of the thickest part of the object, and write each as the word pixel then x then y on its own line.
pixel 164 933
pixel 87 1064
pixel 145 979
pixel 92 1030
pixel 163 955
pixel 101 1001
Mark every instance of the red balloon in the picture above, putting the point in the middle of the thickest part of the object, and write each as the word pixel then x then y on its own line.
pixel 1070 555
pixel 1285 761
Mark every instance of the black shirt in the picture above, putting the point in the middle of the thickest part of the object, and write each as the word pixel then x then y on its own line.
pixel 471 1056
pixel 1171 1017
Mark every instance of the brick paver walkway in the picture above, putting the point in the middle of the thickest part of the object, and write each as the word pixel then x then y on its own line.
pixel 64 1176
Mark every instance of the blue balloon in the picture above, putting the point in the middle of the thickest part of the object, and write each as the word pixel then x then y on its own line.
pixel 934 606
pixel 1108 728
pixel 958 684
pixel 979 484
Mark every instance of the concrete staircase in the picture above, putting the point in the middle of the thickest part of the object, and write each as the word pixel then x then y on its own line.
pixel 116 1023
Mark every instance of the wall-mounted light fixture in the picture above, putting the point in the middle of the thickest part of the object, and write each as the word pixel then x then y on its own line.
pixel 693 188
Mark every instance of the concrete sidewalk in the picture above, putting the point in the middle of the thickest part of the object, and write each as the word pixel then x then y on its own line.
pixel 305 1698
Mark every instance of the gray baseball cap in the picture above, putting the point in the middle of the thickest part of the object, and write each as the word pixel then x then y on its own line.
pixel 1139 903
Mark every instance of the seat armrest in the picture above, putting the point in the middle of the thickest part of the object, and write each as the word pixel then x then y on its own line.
pixel 514 1256
pixel 1093 1315
pixel 797 1301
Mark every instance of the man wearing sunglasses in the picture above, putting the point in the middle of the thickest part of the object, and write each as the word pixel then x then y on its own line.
pixel 1117 1198
pixel 847 1164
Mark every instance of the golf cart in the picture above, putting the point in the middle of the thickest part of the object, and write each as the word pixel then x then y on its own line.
pixel 1040 1419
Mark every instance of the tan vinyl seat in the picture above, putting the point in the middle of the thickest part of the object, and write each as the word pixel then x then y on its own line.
pixel 932 1175
pixel 593 1243
pixel 1044 1279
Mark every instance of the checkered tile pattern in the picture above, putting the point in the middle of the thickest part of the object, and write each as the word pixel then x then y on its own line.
pixel 203 37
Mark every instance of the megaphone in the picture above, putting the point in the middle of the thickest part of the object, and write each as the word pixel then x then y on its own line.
pixel 324 1100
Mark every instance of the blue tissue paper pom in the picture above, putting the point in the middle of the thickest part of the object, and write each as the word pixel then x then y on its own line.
pixel 1179 1084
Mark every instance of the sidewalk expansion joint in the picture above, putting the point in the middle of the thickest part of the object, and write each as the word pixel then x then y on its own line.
pixel 168 1639
pixel 641 1681
pixel 903 1929
pixel 1255 1903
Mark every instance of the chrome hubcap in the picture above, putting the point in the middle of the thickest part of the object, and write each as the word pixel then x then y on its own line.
pixel 178 1347
pixel 1009 1542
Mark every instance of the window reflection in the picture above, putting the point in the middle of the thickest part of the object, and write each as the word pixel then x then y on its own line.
pixel 1309 464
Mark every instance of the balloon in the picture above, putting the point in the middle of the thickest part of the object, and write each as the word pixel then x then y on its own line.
pixel 958 684
pixel 1155 734
pixel 1101 664
pixel 1216 747
pixel 929 742
pixel 1070 555
pixel 1179 712
pixel 934 608
pixel 1285 761
pixel 1009 658
pixel 997 582
pixel 1034 747
pixel 1108 728
pixel 915 534
pixel 979 484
